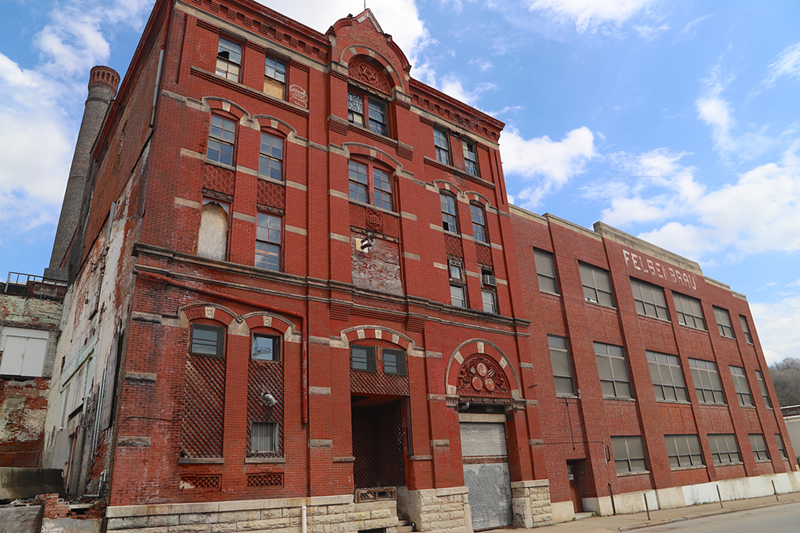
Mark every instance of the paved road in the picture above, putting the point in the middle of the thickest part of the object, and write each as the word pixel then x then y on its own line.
pixel 777 519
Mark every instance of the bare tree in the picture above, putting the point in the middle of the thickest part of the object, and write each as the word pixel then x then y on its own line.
pixel 786 378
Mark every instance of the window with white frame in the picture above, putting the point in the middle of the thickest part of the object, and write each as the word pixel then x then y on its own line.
pixel 562 365
pixel 545 271
pixel 229 59
pixel 690 312
pixel 649 299
pixel 759 446
pixel 613 371
pixel 724 323
pixel 741 386
pixel 763 386
pixel 724 449
pixel 665 372
pixel 707 384
pixel 684 451
pixel 628 454
pixel 596 285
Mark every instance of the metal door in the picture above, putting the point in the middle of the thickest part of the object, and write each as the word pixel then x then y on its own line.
pixel 486 474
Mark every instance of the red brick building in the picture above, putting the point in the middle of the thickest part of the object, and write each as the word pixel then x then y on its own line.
pixel 297 285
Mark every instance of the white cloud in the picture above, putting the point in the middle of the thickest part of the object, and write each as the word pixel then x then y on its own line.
pixel 758 212
pixel 399 18
pixel 589 14
pixel 716 112
pixel 776 324
pixel 550 163
pixel 648 32
pixel 690 30
pixel 787 64
pixel 452 85
pixel 483 65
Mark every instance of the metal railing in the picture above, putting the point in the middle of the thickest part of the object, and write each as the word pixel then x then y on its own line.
pixel 18 278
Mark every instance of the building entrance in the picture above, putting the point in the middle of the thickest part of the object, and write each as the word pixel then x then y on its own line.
pixel 486 473
pixel 379 444
pixel 574 472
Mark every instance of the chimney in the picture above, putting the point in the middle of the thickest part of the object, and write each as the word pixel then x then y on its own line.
pixel 103 83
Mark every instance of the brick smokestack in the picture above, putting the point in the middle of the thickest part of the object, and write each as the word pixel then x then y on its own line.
pixel 103 83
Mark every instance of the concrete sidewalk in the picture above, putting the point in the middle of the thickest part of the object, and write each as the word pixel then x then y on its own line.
pixel 630 522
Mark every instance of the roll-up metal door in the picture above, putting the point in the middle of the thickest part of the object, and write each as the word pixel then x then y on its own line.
pixel 486 474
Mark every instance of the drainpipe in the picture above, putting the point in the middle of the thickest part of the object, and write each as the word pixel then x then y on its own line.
pixel 160 70
pixel 257 305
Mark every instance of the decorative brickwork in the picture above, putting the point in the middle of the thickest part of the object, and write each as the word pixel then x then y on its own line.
pixel 480 375
pixel 484 254
pixel 265 479
pixel 271 194
pixel 369 74
pixel 218 179
pixel 452 246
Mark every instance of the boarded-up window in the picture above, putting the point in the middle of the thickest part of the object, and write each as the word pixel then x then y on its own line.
pixel 212 242
pixel 23 352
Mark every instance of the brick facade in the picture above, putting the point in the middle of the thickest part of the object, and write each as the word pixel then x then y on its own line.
pixel 179 235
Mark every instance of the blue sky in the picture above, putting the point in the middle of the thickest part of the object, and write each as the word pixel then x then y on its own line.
pixel 676 121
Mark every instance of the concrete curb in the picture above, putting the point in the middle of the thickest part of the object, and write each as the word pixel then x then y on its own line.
pixel 703 515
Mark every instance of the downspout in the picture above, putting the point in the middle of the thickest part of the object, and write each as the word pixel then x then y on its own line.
pixel 160 70
pixel 257 305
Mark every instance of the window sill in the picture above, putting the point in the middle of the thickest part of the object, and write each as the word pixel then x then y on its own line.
pixel 629 474
pixel 667 320
pixel 615 399
pixel 753 407
pixel 375 207
pixel 221 165
pixel 727 338
pixel 201 461
pixel 683 468
pixel 763 461
pixel 598 304
pixel 687 326
pixel 270 180
pixel 369 133
pixel 262 460
pixel 675 402
pixel 740 463
pixel 703 404
pixel 557 295
pixel 568 396
pixel 457 171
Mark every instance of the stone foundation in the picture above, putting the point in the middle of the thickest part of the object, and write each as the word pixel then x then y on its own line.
pixel 436 510
pixel 327 514
pixel 531 503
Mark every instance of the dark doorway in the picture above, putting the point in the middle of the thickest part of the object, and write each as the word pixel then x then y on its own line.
pixel 574 474
pixel 378 443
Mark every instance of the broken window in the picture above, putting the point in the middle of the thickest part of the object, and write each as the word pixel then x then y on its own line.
pixel 470 158
pixel 377 120
pixel 275 77
pixel 449 212
pixel 212 241
pixel 229 59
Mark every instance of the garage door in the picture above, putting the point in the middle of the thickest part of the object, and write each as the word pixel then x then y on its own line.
pixel 485 457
